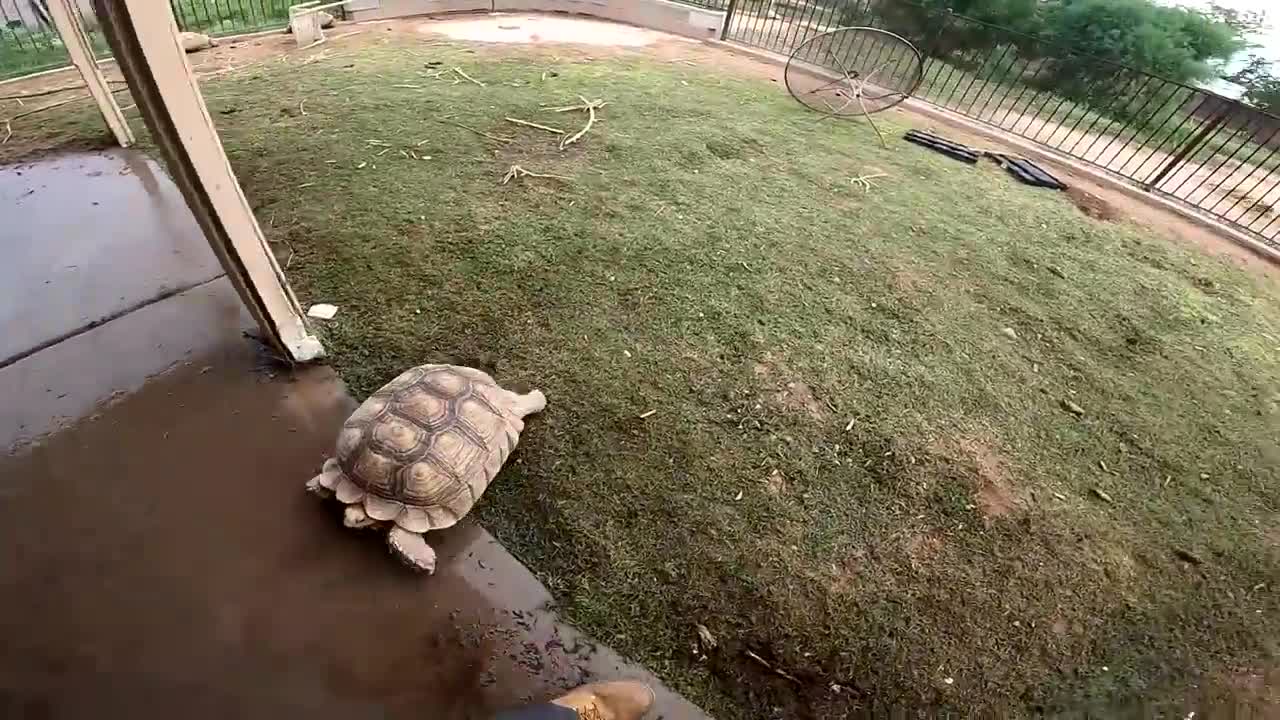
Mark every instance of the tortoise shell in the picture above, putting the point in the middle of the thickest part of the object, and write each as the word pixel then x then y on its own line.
pixel 424 447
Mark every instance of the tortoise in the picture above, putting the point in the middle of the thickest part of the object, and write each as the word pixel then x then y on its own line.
pixel 418 453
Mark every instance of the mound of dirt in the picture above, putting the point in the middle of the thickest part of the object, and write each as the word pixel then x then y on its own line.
pixel 1093 206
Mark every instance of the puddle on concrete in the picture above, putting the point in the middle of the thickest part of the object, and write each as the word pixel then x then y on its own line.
pixel 84 374
pixel 541 29
pixel 158 553
pixel 86 236
pixel 162 556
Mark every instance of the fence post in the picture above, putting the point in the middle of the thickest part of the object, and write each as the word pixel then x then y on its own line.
pixel 66 17
pixel 728 18
pixel 1180 157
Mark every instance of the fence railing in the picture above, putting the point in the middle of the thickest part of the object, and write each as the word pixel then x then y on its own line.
pixel 29 43
pixel 1213 153
pixel 1216 154
pixel 230 17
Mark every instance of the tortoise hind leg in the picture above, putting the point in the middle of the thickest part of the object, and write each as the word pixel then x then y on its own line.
pixel 529 403
pixel 413 549
pixel 326 482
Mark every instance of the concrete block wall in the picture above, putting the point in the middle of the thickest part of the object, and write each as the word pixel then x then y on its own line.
pixel 665 15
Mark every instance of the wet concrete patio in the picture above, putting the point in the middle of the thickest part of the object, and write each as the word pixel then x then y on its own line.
pixel 159 555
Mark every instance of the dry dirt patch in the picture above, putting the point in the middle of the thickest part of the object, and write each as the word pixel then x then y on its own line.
pixel 1092 205
pixel 977 456
pixel 922 548
pixel 789 394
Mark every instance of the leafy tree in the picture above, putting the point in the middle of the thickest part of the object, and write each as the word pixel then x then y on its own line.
pixel 926 23
pixel 1183 45
pixel 1261 87
pixel 1245 22
pixel 1177 43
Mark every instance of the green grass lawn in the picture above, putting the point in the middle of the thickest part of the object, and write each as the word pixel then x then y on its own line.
pixel 852 473
pixel 23 52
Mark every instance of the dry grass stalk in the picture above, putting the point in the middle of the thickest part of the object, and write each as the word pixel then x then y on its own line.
pixel 864 181
pixel 42 108
pixel 468 77
pixel 580 106
pixel 526 123
pixel 41 93
pixel 518 172
pixel 590 107
pixel 777 671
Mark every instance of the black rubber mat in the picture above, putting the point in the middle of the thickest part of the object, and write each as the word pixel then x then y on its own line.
pixel 943 145
pixel 1027 172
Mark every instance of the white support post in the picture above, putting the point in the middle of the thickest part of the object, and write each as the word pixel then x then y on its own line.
pixel 148 49
pixel 66 18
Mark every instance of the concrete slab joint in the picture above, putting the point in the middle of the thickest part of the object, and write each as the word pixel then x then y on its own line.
pixel 665 15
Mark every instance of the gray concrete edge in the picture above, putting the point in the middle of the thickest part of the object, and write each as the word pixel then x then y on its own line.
pixel 1036 151
pixel 665 15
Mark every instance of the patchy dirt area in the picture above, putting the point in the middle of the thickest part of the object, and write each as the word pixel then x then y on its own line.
pixel 992 483
pixel 579 38
pixel 534 29
pixel 1107 203
pixel 857 576
pixel 1092 205
pixel 787 393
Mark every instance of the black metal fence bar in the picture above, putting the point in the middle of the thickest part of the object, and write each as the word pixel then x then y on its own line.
pixel 1199 148
pixel 1211 152
pixel 29 43
pixel 228 17
pixel 1234 192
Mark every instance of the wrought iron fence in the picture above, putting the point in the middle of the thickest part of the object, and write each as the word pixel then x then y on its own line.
pixel 29 43
pixel 229 17
pixel 1211 152
pixel 1216 154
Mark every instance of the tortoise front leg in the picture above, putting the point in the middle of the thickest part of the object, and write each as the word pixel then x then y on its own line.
pixel 355 517
pixel 413 549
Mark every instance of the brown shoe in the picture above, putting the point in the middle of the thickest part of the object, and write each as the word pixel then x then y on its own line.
pixel 618 700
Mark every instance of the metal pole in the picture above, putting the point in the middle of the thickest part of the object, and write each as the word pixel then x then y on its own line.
pixel 1190 146
pixel 728 18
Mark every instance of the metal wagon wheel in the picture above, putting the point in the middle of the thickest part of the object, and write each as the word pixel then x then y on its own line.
pixel 853 71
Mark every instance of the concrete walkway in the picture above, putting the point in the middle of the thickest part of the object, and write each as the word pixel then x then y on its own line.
pixel 158 554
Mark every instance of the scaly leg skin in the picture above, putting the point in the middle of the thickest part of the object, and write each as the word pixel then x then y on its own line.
pixel 528 403
pixel 316 487
pixel 355 517
pixel 413 549
pixel 324 483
